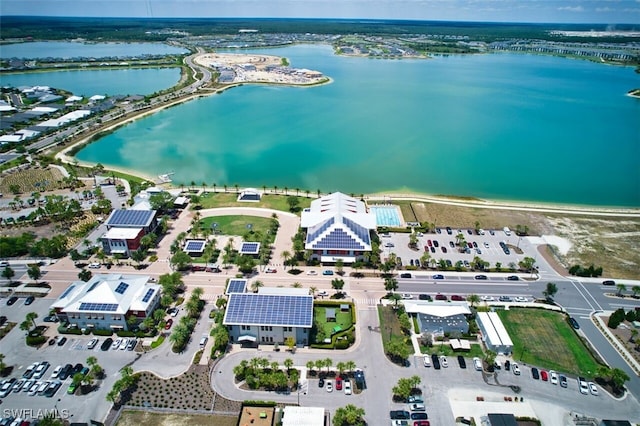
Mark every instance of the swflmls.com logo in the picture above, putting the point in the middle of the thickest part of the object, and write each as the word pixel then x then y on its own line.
pixel 30 413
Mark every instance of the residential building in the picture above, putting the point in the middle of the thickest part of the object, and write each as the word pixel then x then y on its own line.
pixel 125 229
pixel 106 301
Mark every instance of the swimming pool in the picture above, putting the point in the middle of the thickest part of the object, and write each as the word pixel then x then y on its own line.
pixel 386 215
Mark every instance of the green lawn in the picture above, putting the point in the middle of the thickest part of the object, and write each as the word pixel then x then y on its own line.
pixel 237 224
pixel 390 329
pixel 343 319
pixel 445 349
pixel 229 199
pixel 543 338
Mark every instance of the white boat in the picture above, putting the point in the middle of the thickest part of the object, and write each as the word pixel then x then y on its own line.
pixel 165 178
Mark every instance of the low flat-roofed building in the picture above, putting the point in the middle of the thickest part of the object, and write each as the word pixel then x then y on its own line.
pixel 270 316
pixel 106 301
pixel 494 334
pixel 439 317
pixel 303 416
pixel 499 419
pixel 122 240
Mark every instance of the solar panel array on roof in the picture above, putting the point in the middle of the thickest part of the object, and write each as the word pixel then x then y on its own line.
pixel 312 236
pixel 236 286
pixel 358 229
pixel 250 197
pixel 249 248
pixel 122 287
pixel 67 291
pixel 262 309
pixel 105 307
pixel 194 245
pixel 338 240
pixel 130 217
pixel 148 295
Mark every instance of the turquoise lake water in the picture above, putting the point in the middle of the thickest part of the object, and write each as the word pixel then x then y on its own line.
pixel 68 50
pixel 499 126
pixel 135 81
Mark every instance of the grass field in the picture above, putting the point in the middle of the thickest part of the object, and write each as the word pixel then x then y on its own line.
pixel 543 338
pixel 390 329
pixel 237 224
pixel 476 350
pixel 343 319
pixel 142 418
pixel 277 202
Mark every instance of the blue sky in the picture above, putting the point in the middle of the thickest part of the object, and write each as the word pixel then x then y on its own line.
pixel 569 11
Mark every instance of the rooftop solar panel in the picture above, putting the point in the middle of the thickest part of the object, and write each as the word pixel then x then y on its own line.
pixel 262 309
pixel 131 218
pixel 148 295
pixel 338 240
pixel 236 286
pixel 194 245
pixel 67 291
pixel 249 248
pixel 122 287
pixel 102 307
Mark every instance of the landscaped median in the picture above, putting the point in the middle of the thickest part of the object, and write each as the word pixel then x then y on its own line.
pixel 333 325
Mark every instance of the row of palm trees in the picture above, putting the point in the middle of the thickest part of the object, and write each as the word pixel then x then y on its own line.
pixel 341 367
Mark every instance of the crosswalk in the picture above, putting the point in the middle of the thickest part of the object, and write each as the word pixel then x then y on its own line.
pixel 368 302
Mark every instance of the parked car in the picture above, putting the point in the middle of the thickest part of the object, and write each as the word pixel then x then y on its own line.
pixel 94 265
pixel 321 382
pixel 441 297
pixel 563 381
pixel 29 300
pixel 42 367
pixel 535 373
pixel 327 272
pixel 515 368
pixel 419 415
pixel 444 362
pixel 457 297
pixel 28 373
pixel 405 275
pixel 399 415
pixel 553 377
pixel 34 388
pixel 11 300
pixel 329 386
pixel 77 368
pixel 574 323
pixel 477 363
pixel 312 272
pixel 582 385
pixel 436 361
pixel 270 270
pixel 338 383
pixel 513 278
pixel 116 343
pixel 168 324
pixel 347 387
pixel 123 344
pixel 544 375
pixel 92 343
pixel 106 344
pixel 438 277
pixel 417 407
pixel 426 360
pixel 480 277
pixel 608 282
pixel 593 389
pixel 66 371
pixel 461 362
pixel 72 388
pixel 52 388
pixel 424 297
pixel 17 385
pixel 415 398
pixel 407 296
pixel 56 371
pixel 131 345
pixel 62 341
pixel 50 318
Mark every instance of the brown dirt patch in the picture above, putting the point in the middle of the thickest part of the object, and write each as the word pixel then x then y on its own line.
pixel 145 418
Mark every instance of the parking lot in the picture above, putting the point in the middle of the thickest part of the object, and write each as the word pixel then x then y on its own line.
pixel 442 246
pixel 73 351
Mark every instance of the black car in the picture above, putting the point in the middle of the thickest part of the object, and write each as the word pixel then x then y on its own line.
pixel 534 373
pixel 399 415
pixel 53 388
pixel 419 416
pixel 50 318
pixel 461 362
pixel 12 300
pixel 436 243
pixel 76 369
pixel 507 365
pixel 321 383
pixel 513 278
pixel 608 282
pixel 438 277
pixel 480 277
pixel 29 300
pixel 504 299
pixel 405 274
pixel 449 231
pixel 62 341
pixel 106 345
pixel 435 360
pixel 424 297
pixel 65 372
pixel 3 319
pixel 574 323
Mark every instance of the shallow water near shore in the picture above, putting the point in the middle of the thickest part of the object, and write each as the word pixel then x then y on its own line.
pixel 497 126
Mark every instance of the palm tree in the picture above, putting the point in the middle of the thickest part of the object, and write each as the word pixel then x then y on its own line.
pixel 313 290
pixel 256 285
pixel 214 186
pixel 296 285
pixel 311 365
pixel 350 365
pixel 328 362
pixel 341 366
pixel 473 299
pixel 636 290
pixel 621 288
pixel 197 293
pixel 285 257
pixel 288 363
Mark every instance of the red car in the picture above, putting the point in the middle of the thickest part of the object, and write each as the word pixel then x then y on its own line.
pixel 429 243
pixel 338 383
pixel 441 297
pixel 457 298
pixel 421 423
pixel 544 375
pixel 169 323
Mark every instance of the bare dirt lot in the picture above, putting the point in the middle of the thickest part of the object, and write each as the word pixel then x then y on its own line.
pixel 144 418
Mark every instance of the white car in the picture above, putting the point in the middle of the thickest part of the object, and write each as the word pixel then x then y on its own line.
pixel 407 296
pixel 27 385
pixel 322 293
pixel 486 245
pixel 312 272
pixel 329 386
pixel 123 344
pixel 270 271
pixel 94 265
pixel 520 299
pixel 426 360
pixel 443 361
pixel 477 363
pixel 34 388
pixel 116 344
pixel 593 389
pixel 92 343
pixel 56 371
pixel 582 385
pixel 553 377
pixel 347 387
pixel 515 368
pixel 487 298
